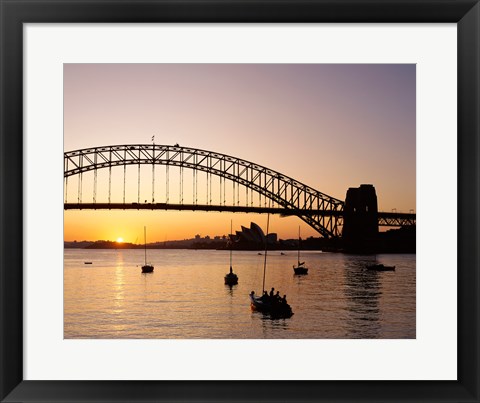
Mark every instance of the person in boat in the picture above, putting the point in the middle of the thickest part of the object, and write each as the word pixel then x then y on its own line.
pixel 284 300
pixel 276 300
pixel 272 292
pixel 264 297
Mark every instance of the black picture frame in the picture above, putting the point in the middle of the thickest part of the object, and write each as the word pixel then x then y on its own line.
pixel 14 13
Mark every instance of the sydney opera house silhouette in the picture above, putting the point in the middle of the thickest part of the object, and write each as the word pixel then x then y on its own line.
pixel 253 237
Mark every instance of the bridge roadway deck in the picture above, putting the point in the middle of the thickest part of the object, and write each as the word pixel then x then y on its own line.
pixel 384 217
pixel 195 207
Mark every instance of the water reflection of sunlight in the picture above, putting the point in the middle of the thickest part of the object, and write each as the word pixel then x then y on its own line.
pixel 119 285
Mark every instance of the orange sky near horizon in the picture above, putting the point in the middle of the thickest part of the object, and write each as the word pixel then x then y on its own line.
pixel 172 225
pixel 329 126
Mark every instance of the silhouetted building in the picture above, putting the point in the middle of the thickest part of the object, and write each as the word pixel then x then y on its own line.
pixel 254 234
pixel 360 224
pixel 272 238
pixel 253 237
pixel 401 240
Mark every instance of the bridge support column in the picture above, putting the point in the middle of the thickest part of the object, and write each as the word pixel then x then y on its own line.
pixel 360 225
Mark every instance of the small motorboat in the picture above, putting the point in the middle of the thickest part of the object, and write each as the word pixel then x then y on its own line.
pixel 87 262
pixel 380 267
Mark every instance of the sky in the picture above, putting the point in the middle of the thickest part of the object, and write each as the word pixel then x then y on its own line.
pixel 330 126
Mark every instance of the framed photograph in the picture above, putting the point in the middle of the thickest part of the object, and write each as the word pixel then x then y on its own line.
pixel 237 214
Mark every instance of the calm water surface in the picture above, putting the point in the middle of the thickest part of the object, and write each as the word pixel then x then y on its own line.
pixel 185 296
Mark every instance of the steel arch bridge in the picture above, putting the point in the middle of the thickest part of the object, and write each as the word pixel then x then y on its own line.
pixel 320 211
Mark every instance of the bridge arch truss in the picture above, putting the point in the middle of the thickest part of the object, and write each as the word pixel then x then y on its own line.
pixel 320 211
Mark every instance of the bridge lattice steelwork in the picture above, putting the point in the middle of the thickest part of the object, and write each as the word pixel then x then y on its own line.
pixel 320 211
pixel 285 195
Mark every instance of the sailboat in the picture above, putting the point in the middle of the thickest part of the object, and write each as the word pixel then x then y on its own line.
pixel 300 268
pixel 231 278
pixel 146 268
pixel 275 307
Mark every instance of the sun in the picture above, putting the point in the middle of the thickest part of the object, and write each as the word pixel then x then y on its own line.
pixel 119 240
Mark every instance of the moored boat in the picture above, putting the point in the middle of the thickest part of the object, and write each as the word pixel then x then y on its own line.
pixel 146 268
pixel 300 267
pixel 380 267
pixel 231 278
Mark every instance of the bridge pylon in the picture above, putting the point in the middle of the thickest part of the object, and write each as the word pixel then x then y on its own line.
pixel 360 218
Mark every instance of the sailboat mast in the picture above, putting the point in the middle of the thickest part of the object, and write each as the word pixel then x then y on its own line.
pixel 230 246
pixel 145 241
pixel 265 259
pixel 298 245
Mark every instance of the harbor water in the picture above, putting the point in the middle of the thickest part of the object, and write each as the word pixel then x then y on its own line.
pixel 186 298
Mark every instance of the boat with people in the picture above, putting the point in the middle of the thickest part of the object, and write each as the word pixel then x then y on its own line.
pixel 380 267
pixel 273 305
pixel 300 268
pixel 270 304
pixel 231 278
pixel 147 267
